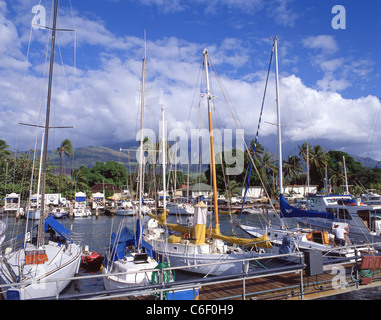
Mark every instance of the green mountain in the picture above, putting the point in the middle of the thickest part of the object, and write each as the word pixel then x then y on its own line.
pixel 89 156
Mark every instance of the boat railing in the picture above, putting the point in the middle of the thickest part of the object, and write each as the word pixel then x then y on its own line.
pixel 160 289
pixel 357 249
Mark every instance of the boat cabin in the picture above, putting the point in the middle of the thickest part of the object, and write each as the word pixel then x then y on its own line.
pixel 12 202
pixel 347 209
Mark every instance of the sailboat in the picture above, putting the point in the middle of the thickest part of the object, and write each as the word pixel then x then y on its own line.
pixel 129 254
pixel 80 206
pixel 40 269
pixel 33 211
pixel 296 239
pixel 202 250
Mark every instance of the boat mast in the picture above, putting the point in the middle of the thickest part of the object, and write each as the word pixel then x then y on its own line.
pixel 41 227
pixel 345 176
pixel 278 116
pixel 164 160
pixel 211 137
pixel 139 219
pixel 308 170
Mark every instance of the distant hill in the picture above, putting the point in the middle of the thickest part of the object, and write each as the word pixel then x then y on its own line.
pixel 88 156
pixel 366 161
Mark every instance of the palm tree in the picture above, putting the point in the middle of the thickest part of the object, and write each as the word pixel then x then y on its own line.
pixel 259 150
pixel 4 152
pixel 66 148
pixel 318 160
pixel 292 168
pixel 303 151
pixel 232 190
pixel 79 180
pixel 267 167
pixel 337 175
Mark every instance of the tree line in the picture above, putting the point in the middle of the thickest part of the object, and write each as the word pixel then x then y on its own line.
pixel 16 173
pixel 326 170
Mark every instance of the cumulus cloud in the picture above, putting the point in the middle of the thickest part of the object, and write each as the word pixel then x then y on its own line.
pixel 102 101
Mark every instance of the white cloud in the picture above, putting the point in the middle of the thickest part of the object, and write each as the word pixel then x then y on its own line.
pixel 325 43
pixel 103 102
pixel 282 13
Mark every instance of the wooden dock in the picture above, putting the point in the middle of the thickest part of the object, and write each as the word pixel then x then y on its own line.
pixel 288 286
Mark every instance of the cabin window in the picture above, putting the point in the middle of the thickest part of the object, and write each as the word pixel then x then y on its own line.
pixel 318 202
pixel 174 248
pixel 344 214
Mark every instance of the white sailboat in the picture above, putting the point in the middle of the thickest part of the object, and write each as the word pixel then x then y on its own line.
pixel 129 253
pixel 125 208
pixel 33 270
pixel 202 249
pixel 80 206
pixel 33 211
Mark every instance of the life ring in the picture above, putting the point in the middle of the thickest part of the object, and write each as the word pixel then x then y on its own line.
pixel 186 236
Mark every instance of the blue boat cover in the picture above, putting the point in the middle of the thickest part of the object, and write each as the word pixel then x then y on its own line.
pixel 288 245
pixel 119 242
pixel 58 227
pixel 80 199
pixel 124 239
pixel 289 211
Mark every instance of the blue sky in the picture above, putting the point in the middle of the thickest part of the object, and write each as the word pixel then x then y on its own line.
pixel 330 79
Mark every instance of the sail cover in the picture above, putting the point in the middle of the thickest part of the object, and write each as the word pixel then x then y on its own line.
pixel 289 211
pixel 58 227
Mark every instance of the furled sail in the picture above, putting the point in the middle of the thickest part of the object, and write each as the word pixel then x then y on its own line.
pixel 289 211
pixel 262 242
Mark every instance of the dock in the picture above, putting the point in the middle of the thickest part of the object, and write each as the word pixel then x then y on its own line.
pixel 298 281
pixel 306 278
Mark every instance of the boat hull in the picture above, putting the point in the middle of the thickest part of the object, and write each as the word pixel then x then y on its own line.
pixel 125 212
pixel 63 262
pixel 33 214
pixel 206 259
pixel 139 274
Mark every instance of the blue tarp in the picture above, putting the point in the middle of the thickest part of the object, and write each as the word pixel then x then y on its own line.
pixel 289 211
pixel 126 238
pixel 56 226
pixel 119 242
